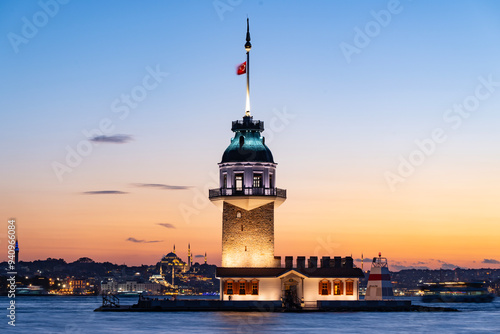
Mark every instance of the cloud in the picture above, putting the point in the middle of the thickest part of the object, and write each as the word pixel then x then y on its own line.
pixel 142 241
pixel 398 267
pixel 448 265
pixel 199 255
pixel 167 225
pixel 104 192
pixel 116 139
pixel 490 261
pixel 162 186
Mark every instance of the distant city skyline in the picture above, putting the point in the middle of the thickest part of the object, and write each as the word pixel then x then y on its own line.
pixel 381 115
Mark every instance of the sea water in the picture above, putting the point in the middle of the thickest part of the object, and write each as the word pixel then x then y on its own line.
pixel 61 314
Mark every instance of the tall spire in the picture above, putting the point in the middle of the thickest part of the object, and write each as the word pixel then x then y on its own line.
pixel 248 46
pixel 174 248
pixel 205 257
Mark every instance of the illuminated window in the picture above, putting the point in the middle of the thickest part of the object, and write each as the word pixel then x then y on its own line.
pixel 229 290
pixel 337 288
pixel 238 182
pixel 238 214
pixel 349 288
pixel 324 288
pixel 255 288
pixel 257 180
pixel 242 288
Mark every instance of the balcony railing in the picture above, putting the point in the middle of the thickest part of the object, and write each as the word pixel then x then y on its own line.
pixel 212 193
pixel 247 124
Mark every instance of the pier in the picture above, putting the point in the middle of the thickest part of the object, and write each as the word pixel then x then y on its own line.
pixel 150 304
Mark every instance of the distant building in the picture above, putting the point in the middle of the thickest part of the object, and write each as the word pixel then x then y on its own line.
pixel 131 286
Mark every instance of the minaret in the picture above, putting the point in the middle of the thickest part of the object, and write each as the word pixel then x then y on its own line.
pixel 174 249
pixel 205 257
pixel 189 256
pixel 247 194
pixel 17 252
pixel 173 275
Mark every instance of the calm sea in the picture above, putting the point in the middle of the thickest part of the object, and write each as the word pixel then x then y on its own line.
pixel 75 315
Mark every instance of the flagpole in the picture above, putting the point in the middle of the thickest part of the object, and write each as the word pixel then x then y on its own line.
pixel 248 46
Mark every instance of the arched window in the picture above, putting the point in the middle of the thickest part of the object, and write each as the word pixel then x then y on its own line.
pixel 338 288
pixel 242 287
pixel 325 288
pixel 238 215
pixel 242 141
pixel 349 288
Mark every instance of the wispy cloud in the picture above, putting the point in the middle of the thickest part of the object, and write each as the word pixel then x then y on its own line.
pixel 445 265
pixel 490 261
pixel 199 255
pixel 104 192
pixel 167 225
pixel 399 267
pixel 115 139
pixel 161 186
pixel 142 241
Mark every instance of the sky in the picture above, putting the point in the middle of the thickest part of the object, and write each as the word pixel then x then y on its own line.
pixel 382 116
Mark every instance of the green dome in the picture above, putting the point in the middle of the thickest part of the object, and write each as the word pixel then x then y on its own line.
pixel 247 144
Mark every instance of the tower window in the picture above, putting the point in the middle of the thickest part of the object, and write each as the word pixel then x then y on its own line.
pixel 271 181
pixel 238 182
pixel 242 141
pixel 242 229
pixel 224 182
pixel 257 180
pixel 238 215
pixel 245 248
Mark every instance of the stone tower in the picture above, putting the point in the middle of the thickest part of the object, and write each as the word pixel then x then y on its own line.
pixel 248 197
pixel 247 193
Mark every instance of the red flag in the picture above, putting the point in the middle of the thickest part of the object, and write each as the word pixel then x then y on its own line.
pixel 241 69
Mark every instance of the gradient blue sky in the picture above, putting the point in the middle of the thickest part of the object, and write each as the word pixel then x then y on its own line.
pixel 351 122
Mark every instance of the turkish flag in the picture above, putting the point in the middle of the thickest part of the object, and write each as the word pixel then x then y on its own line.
pixel 241 69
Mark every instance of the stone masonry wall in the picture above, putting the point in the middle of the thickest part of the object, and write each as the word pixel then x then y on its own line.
pixel 248 241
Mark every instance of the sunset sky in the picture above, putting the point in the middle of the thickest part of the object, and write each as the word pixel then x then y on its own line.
pixel 383 117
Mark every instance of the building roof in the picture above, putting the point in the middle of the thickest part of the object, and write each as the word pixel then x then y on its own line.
pixel 247 145
pixel 343 272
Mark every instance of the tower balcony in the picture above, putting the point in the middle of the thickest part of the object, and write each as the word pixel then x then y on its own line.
pixel 247 198
pixel 223 192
